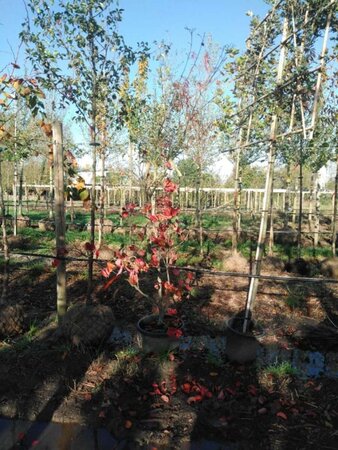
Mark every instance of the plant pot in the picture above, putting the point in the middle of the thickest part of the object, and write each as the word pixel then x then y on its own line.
pixel 242 347
pixel 154 337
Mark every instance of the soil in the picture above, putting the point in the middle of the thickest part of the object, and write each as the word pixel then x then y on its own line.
pixel 164 401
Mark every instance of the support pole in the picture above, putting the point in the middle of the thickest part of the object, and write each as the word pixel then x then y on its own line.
pixel 60 222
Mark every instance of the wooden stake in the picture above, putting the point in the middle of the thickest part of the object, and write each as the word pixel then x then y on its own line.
pixel 60 222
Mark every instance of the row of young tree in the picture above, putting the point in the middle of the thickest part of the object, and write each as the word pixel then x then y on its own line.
pixel 275 102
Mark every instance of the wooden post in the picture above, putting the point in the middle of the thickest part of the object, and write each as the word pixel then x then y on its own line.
pixel 60 222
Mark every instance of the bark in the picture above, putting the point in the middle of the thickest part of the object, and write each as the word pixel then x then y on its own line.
pixel 287 197
pixel 300 211
pixel 102 196
pixel 267 195
pixel 334 215
pixel 4 241
pixel 60 221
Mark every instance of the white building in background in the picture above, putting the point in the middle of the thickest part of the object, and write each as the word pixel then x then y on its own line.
pixel 326 173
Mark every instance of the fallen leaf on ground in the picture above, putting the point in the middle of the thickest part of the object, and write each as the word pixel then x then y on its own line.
pixel 165 398
pixel 194 399
pixel 252 390
pixel 282 415
pixel 128 424
pixel 230 391
pixel 186 388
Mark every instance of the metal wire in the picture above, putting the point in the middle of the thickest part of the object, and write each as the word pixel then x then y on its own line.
pixel 197 270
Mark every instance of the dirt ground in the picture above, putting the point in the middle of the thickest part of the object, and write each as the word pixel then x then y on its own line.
pixel 165 401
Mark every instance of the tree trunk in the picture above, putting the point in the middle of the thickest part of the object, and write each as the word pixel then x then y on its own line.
pixel 300 211
pixel 4 241
pixel 15 180
pixel 198 221
pixel 287 203
pixel 94 144
pixel 236 222
pixel 51 185
pixel 317 214
pixel 20 205
pixel 102 196
pixel 267 195
pixel 60 220
pixel 271 236
pixel 334 215
pixel 131 169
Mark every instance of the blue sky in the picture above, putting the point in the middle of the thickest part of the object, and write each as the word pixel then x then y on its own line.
pixel 150 20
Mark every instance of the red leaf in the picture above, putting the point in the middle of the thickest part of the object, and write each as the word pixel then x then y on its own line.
pixel 221 395
pixel 171 311
pixel 169 186
pixel 89 247
pixel 186 388
pixel 55 262
pixel 107 270
pixel 174 332
pixel 171 357
pixel 165 398
pixel 194 399
pixel 231 391
pixel 282 415
pixel 128 424
pixel 252 390
pixel 111 281
pixel 133 278
pixel 21 436
pixel 205 391
pixel 35 442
